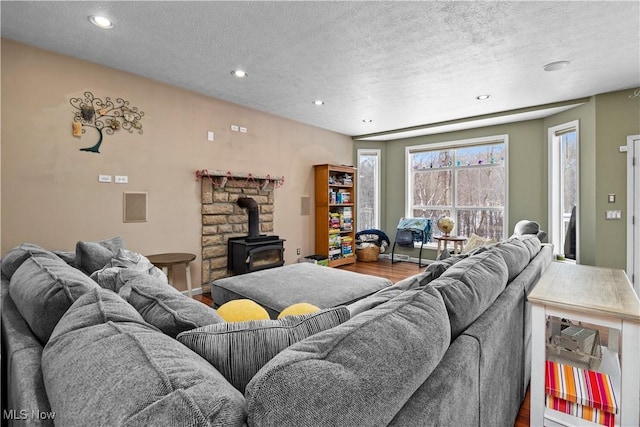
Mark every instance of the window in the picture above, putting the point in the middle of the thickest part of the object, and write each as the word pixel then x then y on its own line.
pixel 563 188
pixel 465 180
pixel 368 201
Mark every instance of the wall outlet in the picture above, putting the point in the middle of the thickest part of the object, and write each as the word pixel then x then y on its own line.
pixel 104 178
pixel 298 251
pixel 122 179
pixel 243 129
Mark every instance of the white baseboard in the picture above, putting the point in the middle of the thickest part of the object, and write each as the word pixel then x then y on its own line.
pixel 406 258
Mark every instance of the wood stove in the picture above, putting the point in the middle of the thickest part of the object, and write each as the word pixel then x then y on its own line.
pixel 255 251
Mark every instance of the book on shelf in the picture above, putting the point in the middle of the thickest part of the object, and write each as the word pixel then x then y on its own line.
pixel 347 246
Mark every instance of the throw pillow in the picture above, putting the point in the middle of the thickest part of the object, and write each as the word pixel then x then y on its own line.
pixel 526 227
pixel 241 310
pixel 297 309
pixel 476 241
pixel 238 350
pixel 43 289
pixel 124 266
pixel 92 256
pixel 164 307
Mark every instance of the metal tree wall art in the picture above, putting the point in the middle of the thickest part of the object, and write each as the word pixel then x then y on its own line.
pixel 104 116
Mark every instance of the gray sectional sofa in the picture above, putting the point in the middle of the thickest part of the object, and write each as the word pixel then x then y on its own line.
pixel 98 337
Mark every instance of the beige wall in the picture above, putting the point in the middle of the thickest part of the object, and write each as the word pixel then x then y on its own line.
pixel 50 190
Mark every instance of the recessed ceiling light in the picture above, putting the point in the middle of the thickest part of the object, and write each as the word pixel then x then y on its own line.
pixel 483 97
pixel 239 74
pixel 101 21
pixel 318 102
pixel 367 120
pixel 554 66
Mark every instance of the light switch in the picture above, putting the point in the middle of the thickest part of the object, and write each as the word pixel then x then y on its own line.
pixel 613 215
pixel 104 178
pixel 210 135
pixel 612 198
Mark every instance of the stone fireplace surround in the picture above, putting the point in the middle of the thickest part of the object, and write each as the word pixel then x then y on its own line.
pixel 222 218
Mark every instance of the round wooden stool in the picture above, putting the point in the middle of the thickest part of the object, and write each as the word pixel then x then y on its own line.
pixel 167 261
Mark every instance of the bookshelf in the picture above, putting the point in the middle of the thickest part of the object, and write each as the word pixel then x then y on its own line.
pixel 335 200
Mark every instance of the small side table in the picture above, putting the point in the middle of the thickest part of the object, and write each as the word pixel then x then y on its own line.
pixel 458 243
pixel 597 296
pixel 167 261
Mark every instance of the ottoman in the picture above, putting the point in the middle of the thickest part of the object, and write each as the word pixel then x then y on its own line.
pixel 277 288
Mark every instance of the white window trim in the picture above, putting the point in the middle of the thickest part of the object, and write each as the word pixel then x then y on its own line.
pixel 504 138
pixel 378 153
pixel 555 222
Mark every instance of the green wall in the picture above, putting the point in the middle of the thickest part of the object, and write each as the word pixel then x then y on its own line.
pixel 605 121
pixel 617 116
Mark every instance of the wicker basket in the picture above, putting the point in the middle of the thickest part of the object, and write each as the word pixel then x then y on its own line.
pixel 368 254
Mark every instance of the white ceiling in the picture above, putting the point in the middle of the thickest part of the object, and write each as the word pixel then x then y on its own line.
pixel 401 64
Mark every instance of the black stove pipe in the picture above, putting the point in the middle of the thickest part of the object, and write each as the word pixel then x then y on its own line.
pixel 252 210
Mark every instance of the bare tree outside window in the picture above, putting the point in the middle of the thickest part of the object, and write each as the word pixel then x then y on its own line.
pixel 368 190
pixel 466 182
pixel 569 162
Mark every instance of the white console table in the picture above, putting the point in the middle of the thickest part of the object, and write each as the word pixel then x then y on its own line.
pixel 599 296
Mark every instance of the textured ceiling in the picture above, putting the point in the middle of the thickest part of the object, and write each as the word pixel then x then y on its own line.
pixel 401 64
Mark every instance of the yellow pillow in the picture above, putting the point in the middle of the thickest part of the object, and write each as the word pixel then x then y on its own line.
pixel 240 310
pixel 299 308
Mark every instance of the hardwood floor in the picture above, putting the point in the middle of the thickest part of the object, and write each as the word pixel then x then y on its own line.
pixel 395 273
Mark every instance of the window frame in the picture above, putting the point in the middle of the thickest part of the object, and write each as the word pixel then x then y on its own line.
pixel 455 144
pixel 555 194
pixel 377 186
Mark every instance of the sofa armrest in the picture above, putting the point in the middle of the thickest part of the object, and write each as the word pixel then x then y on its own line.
pixel 25 401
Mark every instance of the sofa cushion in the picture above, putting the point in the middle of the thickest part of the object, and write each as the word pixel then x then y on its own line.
pixel 164 307
pixel 239 349
pixel 43 289
pixel 369 366
pixel 105 363
pixel 515 255
pixel 470 287
pixel 384 295
pixel 19 254
pixel 123 266
pixel 437 268
pixel 92 256
pixel 532 244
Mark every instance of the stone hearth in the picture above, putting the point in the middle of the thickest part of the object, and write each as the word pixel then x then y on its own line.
pixel 222 218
